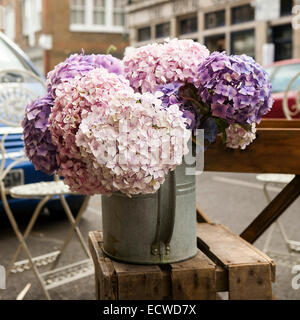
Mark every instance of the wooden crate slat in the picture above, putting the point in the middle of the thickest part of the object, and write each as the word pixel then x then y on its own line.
pixel 273 151
pixel 269 261
pixel 122 267
pixel 221 279
pixel 144 286
pixel 265 258
pixel 227 248
pixel 194 279
pixel 250 282
pixel 106 275
pixel 142 281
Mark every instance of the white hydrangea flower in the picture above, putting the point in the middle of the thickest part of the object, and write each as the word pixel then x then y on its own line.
pixel 237 137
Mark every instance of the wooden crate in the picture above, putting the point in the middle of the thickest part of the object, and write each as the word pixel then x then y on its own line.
pixel 224 263
pixel 242 270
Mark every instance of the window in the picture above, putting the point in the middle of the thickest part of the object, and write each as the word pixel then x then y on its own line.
pixel 144 34
pixel 99 12
pixel 243 42
pixel 282 39
pixel 31 19
pixel 215 43
pixel 215 19
pixel 286 7
pixel 78 12
pixel 119 15
pixel 188 25
pixel 9 21
pixel 97 15
pixel 162 30
pixel 242 14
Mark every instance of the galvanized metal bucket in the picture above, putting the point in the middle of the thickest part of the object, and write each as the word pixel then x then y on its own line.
pixel 157 228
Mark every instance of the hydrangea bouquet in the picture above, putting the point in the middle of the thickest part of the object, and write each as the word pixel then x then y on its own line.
pixel 100 135
pixel 104 121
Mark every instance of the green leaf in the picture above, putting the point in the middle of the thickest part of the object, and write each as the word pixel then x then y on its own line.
pixel 224 137
pixel 222 124
pixel 111 48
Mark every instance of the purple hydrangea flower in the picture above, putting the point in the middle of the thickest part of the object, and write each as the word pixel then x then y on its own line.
pixel 169 95
pixel 235 87
pixel 36 135
pixel 80 64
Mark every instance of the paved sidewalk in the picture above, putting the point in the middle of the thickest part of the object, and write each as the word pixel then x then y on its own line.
pixel 46 237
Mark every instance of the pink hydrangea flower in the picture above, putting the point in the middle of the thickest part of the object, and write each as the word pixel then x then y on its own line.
pixel 134 143
pixel 237 137
pixel 74 98
pixel 155 64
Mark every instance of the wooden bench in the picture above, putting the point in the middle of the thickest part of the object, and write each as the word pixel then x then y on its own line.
pixel 224 262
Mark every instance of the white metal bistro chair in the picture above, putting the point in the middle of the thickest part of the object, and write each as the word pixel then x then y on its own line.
pixel 13 98
pixel 281 180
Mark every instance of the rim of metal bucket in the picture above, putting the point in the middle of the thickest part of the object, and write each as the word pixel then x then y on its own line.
pixel 146 262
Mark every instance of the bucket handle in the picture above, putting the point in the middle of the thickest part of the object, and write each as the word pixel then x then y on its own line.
pixel 155 249
pixel 172 199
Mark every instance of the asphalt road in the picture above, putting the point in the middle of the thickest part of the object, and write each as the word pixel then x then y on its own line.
pixel 231 199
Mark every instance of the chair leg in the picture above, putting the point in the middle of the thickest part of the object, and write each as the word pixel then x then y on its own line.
pixel 21 240
pixel 27 231
pixel 74 228
pixel 269 237
pixel 283 234
pixel 280 226
pixel 266 192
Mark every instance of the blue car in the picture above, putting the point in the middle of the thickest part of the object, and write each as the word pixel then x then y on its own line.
pixel 12 57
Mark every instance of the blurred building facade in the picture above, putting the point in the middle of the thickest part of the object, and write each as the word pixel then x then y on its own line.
pixel 22 23
pixel 50 30
pixel 237 26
